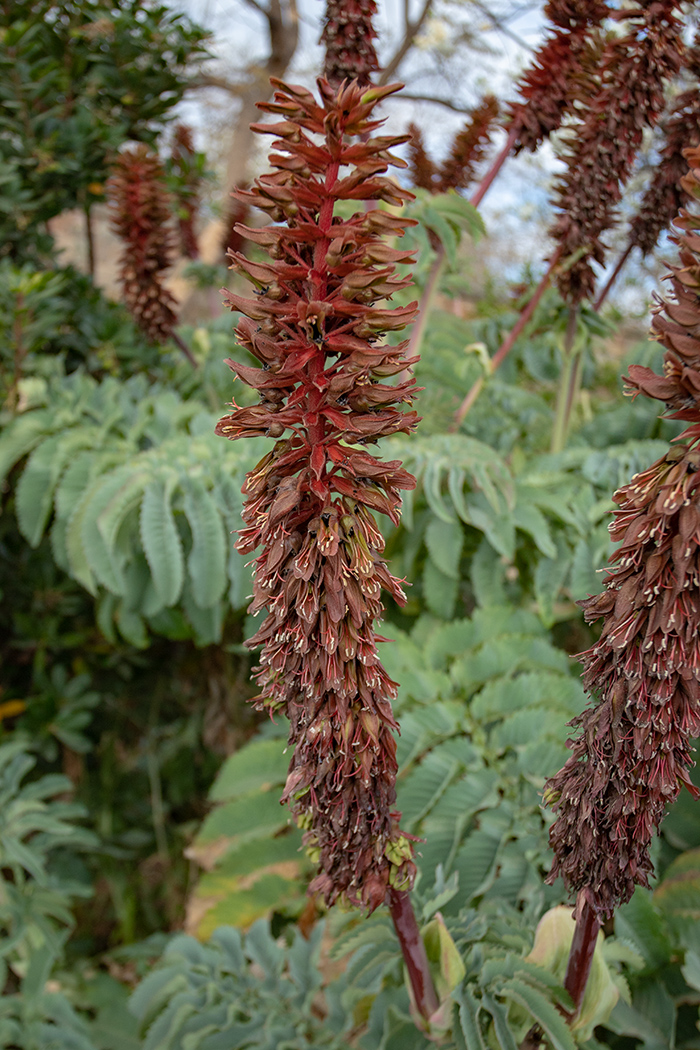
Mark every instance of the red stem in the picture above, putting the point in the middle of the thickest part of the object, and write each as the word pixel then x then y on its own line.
pixel 413 950
pixel 480 192
pixel 613 277
pixel 185 348
pixel 507 344
pixel 582 949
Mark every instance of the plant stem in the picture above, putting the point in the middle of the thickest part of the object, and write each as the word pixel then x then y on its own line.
pixel 414 954
pixel 508 343
pixel 185 348
pixel 90 238
pixel 613 277
pixel 426 304
pixel 582 948
pixel 480 192
pixel 568 384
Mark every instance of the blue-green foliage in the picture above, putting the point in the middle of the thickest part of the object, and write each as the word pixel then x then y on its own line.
pixel 139 497
pixel 237 991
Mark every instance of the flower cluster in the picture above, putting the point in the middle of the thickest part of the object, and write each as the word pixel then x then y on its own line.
pixel 183 163
pixel 316 329
pixel 665 195
pixel 560 71
pixel 633 751
pixel 634 71
pixel 140 213
pixel 348 36
pixel 467 151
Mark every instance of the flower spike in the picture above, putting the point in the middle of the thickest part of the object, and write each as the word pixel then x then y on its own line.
pixel 315 326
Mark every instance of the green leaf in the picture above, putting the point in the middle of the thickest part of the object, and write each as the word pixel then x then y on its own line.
pixel 444 542
pixel 161 540
pixel 469 1026
pixel 487 575
pixel 639 923
pixel 530 519
pixel 206 562
pixel 497 525
pixel 424 785
pixel 550 575
pixel 20 437
pixel 126 498
pixel 104 563
pixel 257 766
pixel 500 1023
pixel 439 591
pixel 474 863
pixel 542 1010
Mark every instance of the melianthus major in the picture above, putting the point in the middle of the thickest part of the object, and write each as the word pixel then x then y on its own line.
pixel 316 326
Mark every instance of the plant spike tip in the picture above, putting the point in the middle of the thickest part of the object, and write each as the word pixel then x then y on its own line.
pixel 140 215
pixel 315 326
pixel 633 749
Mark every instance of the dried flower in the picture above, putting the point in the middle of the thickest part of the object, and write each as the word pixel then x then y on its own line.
pixel 422 170
pixel 469 146
pixel 316 329
pixel 140 213
pixel 348 36
pixel 665 195
pixel 634 71
pixel 183 160
pixel 560 73
pixel 634 749
pixel 467 150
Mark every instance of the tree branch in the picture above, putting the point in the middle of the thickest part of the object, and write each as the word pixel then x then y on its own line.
pixel 412 28
pixel 210 80
pixel 433 98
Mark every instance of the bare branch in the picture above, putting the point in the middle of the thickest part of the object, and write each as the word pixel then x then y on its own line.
pixel 258 7
pixel 412 29
pixel 500 24
pixel 446 102
pixel 209 80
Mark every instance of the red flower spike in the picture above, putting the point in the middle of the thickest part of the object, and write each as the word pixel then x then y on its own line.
pixel 634 72
pixel 316 326
pixel 633 750
pixel 140 213
pixel 469 146
pixel 348 36
pixel 665 195
pixel 560 73
pixel 183 161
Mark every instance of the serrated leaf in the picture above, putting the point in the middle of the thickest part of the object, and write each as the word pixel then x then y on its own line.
pixel 469 1027
pixel 474 864
pixel 439 591
pixel 21 437
pixel 542 1010
pixel 35 490
pixel 424 785
pixel 104 563
pixel 206 562
pixel 529 518
pixel 444 541
pixel 639 923
pixel 497 525
pixel 256 766
pixel 126 498
pixel 550 576
pixel 161 540
pixel 500 1023
pixel 487 575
